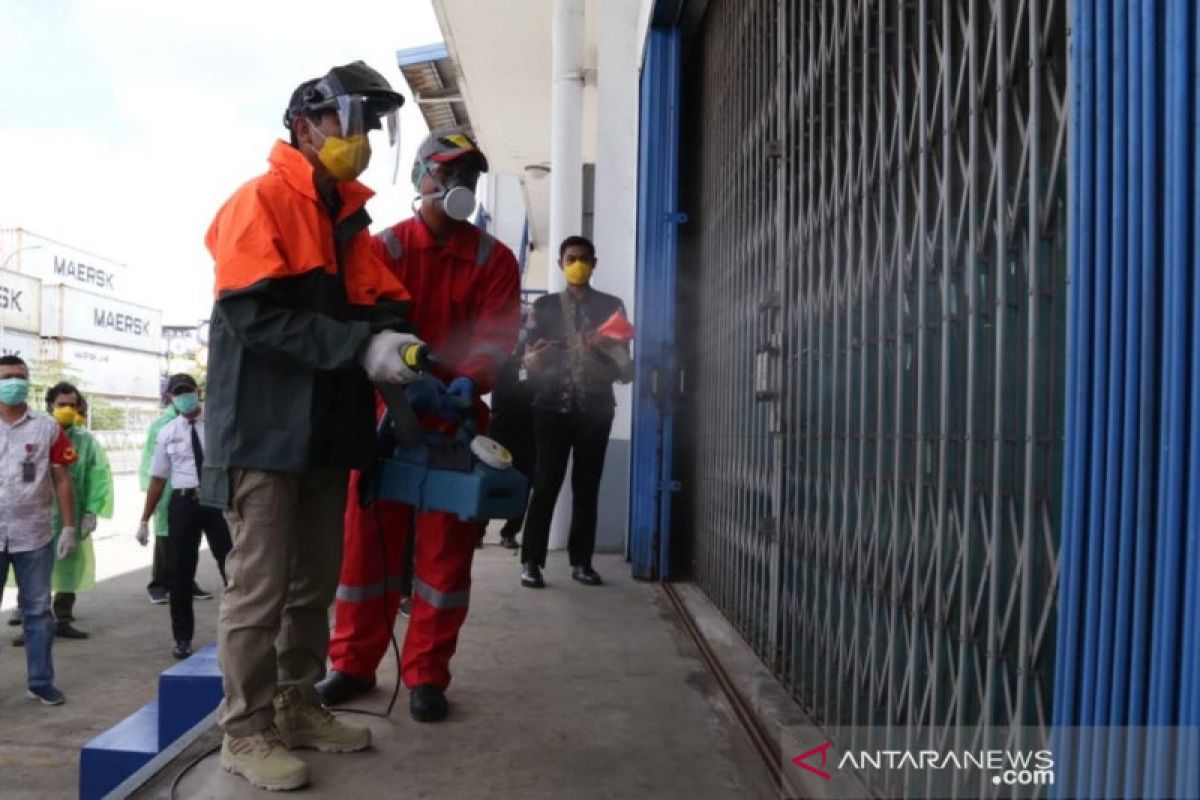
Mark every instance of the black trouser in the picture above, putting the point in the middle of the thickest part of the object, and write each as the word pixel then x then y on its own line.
pixel 558 436
pixel 521 444
pixel 186 520
pixel 64 607
pixel 158 570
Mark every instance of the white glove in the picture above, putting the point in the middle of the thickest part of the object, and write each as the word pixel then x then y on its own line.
pixel 143 534
pixel 66 542
pixel 87 525
pixel 383 357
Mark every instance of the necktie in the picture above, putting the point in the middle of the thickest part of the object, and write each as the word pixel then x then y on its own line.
pixel 197 450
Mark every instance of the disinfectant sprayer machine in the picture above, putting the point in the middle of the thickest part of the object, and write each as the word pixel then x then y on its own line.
pixel 463 474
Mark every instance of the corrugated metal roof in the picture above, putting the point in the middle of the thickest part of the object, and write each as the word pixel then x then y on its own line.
pixel 432 76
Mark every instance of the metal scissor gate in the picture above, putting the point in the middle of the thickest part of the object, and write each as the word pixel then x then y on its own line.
pixel 872 309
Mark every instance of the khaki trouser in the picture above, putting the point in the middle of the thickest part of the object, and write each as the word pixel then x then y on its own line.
pixel 283 570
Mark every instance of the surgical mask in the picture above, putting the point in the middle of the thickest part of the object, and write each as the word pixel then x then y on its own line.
pixel 456 194
pixel 344 158
pixel 578 273
pixel 13 391
pixel 66 416
pixel 187 403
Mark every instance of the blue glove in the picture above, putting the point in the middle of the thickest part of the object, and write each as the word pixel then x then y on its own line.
pixel 425 394
pixel 461 391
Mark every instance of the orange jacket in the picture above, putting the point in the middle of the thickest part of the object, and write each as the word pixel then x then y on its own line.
pixel 299 290
pixel 275 226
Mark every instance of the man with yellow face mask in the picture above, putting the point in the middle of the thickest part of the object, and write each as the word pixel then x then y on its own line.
pixel 91 477
pixel 573 369
pixel 306 316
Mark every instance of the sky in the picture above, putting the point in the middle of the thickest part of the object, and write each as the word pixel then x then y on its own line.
pixel 125 124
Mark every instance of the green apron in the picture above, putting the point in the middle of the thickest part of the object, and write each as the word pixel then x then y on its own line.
pixel 91 478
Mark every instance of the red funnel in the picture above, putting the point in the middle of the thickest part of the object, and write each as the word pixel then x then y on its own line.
pixel 617 328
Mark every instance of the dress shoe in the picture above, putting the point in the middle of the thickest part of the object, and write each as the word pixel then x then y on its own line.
pixel 427 703
pixel 182 650
pixel 587 576
pixel 531 576
pixel 339 688
pixel 509 542
pixel 65 630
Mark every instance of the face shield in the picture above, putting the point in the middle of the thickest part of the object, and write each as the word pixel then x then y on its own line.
pixel 363 101
pixel 347 156
pixel 361 114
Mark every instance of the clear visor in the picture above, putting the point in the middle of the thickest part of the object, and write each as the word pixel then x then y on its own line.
pixel 359 114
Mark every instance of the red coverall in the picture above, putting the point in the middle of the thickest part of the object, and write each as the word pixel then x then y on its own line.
pixel 466 306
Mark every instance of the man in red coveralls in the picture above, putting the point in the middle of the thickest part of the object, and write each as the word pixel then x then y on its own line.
pixel 465 288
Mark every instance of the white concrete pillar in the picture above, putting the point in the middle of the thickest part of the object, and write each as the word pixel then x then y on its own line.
pixel 617 89
pixel 568 39
pixel 566 127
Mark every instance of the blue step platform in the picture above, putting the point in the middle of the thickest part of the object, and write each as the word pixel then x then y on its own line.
pixel 187 693
pixel 119 752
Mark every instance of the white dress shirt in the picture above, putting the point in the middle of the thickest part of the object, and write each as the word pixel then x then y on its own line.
pixel 173 456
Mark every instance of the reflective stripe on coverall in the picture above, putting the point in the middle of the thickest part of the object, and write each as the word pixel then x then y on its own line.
pixel 466 305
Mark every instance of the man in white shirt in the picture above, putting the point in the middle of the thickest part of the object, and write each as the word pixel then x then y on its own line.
pixel 179 458
pixel 34 456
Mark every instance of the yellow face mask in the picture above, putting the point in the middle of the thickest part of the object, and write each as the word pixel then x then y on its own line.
pixel 578 273
pixel 346 158
pixel 66 416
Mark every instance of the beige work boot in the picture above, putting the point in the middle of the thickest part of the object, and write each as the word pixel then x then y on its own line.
pixel 262 759
pixel 304 723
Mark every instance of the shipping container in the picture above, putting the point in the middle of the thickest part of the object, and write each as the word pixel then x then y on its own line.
pixel 70 313
pixel 112 371
pixel 55 263
pixel 20 302
pixel 18 343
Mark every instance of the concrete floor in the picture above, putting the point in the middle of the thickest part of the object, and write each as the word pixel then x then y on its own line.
pixel 104 678
pixel 565 692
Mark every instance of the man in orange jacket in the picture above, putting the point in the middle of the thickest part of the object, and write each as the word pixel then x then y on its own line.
pixel 465 287
pixel 306 317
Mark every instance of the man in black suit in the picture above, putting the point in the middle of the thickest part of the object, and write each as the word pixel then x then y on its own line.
pixel 573 369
